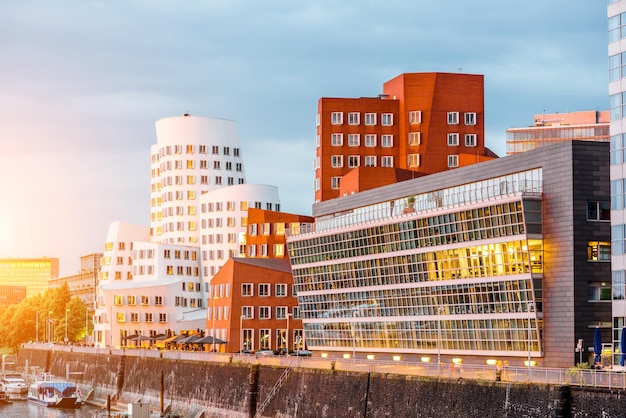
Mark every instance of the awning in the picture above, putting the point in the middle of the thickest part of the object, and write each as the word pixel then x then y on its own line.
pixel 159 337
pixel 209 340
pixel 130 337
pixel 191 339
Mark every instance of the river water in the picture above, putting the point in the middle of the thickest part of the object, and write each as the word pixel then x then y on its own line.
pixel 23 409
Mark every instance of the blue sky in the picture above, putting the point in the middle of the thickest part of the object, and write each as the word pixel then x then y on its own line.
pixel 83 82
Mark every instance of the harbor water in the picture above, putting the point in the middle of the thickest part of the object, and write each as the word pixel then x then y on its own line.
pixel 23 409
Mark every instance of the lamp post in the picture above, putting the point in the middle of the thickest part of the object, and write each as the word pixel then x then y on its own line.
pixel 531 305
pixel 37 327
pixel 66 311
pixel 86 325
pixel 50 329
pixel 241 318
pixel 287 340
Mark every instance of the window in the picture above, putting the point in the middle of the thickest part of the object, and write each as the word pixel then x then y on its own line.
pixel 334 182
pixel 336 140
pixel 453 161
pixel 337 161
pixel 158 300
pixel 118 300
pixel 132 300
pixel 162 317
pixel 353 161
pixel 386 161
pixel 354 118
pixel 264 289
pixel 370 119
pixel 264 312
pixel 354 140
pixel 281 312
pixel 247 312
pixel 617 66
pixel 370 140
pixel 281 290
pixel 415 138
pixel 148 317
pixel 599 211
pixel 121 317
pixel 453 118
pixel 413 160
pixel 470 118
pixel 215 150
pixel 134 317
pixel 263 250
pixel 145 300
pixel 616 23
pixel 470 140
pixel 599 291
pixel 216 165
pixel 252 251
pixel 386 141
pixel 386 119
pixel 279 228
pixel 226 150
pixel 415 117
pixel 598 251
pixel 336 118
pixel 370 161
pixel 453 140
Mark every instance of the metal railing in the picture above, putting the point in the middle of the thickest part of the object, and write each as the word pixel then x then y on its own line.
pixel 601 378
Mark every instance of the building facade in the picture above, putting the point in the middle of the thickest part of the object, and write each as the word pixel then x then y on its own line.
pixel 591 125
pixel 617 103
pixel 423 122
pixel 33 273
pixel 505 260
pixel 84 283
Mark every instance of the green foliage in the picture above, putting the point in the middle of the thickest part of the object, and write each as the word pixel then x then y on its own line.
pixel 43 318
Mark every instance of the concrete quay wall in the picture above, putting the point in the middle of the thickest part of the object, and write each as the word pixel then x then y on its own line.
pixel 238 389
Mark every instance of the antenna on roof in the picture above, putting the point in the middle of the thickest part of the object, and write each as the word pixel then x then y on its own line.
pixel 186 113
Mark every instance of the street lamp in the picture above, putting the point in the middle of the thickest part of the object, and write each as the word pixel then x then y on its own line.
pixel 50 329
pixel 66 311
pixel 531 305
pixel 37 327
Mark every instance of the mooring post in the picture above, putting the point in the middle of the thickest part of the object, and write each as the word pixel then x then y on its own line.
pixel 162 392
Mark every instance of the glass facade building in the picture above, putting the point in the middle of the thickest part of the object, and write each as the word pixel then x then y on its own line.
pixel 443 266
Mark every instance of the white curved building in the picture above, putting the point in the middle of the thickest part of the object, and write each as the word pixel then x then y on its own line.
pixel 193 155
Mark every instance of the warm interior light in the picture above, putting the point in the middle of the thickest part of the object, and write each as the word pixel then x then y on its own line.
pixel 324 355
pixel 371 357
pixel 425 359
pixel 346 356
pixel 457 360
pixel 533 363
pixel 397 358
pixel 492 361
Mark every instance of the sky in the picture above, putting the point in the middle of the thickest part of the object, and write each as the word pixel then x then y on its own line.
pixel 83 82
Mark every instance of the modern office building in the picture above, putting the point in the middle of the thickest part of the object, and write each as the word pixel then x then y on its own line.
pixel 422 122
pixel 591 125
pixel 33 273
pixel 84 283
pixel 506 260
pixel 12 295
pixel 617 104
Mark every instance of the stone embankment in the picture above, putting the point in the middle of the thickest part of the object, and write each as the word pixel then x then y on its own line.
pixel 195 388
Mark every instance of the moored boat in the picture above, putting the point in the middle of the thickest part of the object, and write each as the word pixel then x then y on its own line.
pixel 52 392
pixel 14 384
pixel 4 396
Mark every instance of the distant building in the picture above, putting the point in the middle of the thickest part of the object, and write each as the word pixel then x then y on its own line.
pixel 422 122
pixel 33 273
pixel 506 260
pixel 11 295
pixel 84 283
pixel 548 129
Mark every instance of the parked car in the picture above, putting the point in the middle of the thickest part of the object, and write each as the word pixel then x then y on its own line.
pixel 265 353
pixel 303 353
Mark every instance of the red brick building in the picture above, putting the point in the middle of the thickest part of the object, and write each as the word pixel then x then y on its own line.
pixel 422 122
pixel 253 297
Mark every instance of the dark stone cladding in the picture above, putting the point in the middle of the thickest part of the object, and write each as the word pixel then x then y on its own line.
pixel 574 172
pixel 224 390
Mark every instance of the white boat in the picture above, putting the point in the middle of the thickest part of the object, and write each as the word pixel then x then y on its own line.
pixel 14 384
pixel 52 392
